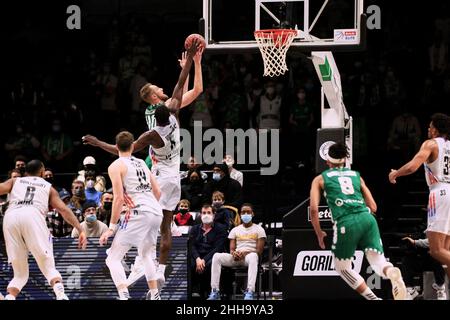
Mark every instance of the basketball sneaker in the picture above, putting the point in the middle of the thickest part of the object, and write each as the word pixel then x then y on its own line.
pixel 440 291
pixel 398 286
pixel 151 296
pixel 412 293
pixel 248 295
pixel 62 297
pixel 214 295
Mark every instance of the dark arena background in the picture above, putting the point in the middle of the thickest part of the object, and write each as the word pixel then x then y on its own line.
pixel 58 85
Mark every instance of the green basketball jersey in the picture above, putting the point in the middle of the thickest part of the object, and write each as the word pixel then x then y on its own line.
pixel 150 115
pixel 342 188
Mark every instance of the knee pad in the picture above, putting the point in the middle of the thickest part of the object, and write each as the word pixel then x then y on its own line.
pixel 378 262
pixel 344 268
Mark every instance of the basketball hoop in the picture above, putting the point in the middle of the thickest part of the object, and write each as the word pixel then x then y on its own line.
pixel 274 44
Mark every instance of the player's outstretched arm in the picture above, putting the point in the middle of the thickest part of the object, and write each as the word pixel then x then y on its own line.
pixel 191 95
pixel 314 201
pixel 177 95
pixel 93 141
pixel 148 138
pixel 67 214
pixel 420 158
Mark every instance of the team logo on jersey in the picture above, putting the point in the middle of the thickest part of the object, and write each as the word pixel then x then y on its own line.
pixel 323 150
pixel 339 202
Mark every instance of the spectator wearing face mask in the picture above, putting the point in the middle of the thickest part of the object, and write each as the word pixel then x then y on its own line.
pixel 183 217
pixel 104 211
pixel 205 239
pixel 90 168
pixel 222 182
pixel 90 192
pixel 91 226
pixel 234 174
pixel 192 165
pixel 78 199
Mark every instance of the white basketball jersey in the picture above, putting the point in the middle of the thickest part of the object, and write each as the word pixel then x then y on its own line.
pixel 166 160
pixel 439 170
pixel 30 192
pixel 137 187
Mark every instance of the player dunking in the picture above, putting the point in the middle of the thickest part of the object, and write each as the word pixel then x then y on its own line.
pixel 351 204
pixel 134 185
pixel 26 231
pixel 434 154
pixel 165 142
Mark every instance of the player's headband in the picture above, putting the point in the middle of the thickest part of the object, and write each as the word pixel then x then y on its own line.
pixel 335 161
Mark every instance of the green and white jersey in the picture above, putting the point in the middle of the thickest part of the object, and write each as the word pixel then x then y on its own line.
pixel 342 189
pixel 150 115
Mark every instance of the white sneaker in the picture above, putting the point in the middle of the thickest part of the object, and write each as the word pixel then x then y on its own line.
pixel 151 296
pixel 124 295
pixel 137 271
pixel 440 291
pixel 412 293
pixel 62 297
pixel 398 286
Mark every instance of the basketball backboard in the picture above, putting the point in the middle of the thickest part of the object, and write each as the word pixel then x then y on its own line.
pixel 323 25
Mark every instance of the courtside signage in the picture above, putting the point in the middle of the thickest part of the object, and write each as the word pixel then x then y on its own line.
pixel 321 263
pixel 324 213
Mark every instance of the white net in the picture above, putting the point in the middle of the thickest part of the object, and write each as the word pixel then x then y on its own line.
pixel 274 45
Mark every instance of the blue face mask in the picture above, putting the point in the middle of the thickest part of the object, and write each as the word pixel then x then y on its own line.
pixel 246 218
pixel 216 176
pixel 91 218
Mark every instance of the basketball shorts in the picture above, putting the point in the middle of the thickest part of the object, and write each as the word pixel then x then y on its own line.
pixel 170 191
pixel 25 231
pixel 439 209
pixel 356 231
pixel 138 225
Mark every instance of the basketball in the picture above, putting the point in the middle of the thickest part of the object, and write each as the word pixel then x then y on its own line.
pixel 191 37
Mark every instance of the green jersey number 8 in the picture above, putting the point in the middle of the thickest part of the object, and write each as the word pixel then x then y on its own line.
pixel 346 185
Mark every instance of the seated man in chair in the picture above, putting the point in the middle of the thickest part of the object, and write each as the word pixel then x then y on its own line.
pixel 246 245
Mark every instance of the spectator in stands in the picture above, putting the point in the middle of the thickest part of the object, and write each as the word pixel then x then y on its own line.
pixel 223 214
pixel 234 174
pixel 57 147
pixel 91 194
pixel 78 199
pixel 417 259
pixel 192 165
pixel 49 177
pixel 183 217
pixel 205 240
pixel 405 134
pixel 246 245
pixel 222 182
pixel 104 211
pixel 91 226
pixel 57 226
pixel 270 107
pixel 22 142
pixel 14 173
pixel 20 163
pixel 192 190
pixel 89 166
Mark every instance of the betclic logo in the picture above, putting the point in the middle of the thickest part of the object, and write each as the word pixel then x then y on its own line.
pixel 324 213
pixel 321 263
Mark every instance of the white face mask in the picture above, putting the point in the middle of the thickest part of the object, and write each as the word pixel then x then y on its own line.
pixel 207 218
pixel 90 184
